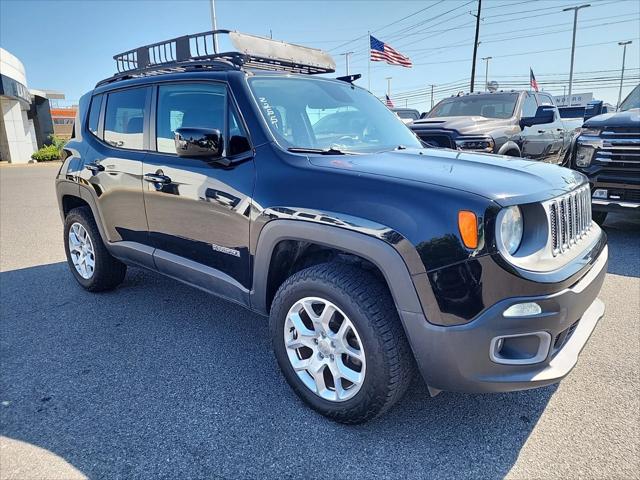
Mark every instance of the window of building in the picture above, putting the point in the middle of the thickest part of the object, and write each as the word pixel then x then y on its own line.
pixel 195 105
pixel 124 118
pixel 529 107
pixel 94 114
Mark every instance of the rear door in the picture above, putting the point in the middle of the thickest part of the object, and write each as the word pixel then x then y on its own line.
pixel 555 131
pixel 199 219
pixel 112 172
pixel 535 139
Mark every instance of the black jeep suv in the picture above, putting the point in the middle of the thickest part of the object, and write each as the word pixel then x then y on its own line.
pixel 369 253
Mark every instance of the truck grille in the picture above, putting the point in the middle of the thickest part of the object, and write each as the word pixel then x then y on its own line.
pixel 438 138
pixel 569 219
pixel 620 145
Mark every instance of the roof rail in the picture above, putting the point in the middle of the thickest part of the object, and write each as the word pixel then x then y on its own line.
pixel 197 51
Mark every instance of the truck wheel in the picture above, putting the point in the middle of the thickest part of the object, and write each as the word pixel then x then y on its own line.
pixel 89 261
pixel 339 342
pixel 599 217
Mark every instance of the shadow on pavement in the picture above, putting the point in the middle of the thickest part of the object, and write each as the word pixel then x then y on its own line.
pixel 158 379
pixel 623 230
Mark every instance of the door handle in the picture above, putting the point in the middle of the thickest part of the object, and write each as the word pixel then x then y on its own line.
pixel 94 167
pixel 542 131
pixel 560 129
pixel 157 178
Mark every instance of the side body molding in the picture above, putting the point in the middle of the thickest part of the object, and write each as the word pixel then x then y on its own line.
pixel 381 254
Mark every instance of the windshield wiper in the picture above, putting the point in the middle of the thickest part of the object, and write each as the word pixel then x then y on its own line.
pixel 319 151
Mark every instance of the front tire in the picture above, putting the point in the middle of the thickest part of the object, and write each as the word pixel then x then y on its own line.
pixel 91 264
pixel 339 342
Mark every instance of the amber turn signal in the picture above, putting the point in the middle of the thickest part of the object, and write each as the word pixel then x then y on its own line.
pixel 468 225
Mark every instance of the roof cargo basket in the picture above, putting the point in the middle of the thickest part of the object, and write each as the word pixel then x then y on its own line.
pixel 197 51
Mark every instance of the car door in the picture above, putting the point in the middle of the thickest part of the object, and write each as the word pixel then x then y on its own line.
pixel 535 138
pixel 112 173
pixel 553 131
pixel 199 213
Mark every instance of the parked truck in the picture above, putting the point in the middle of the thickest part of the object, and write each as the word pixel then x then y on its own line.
pixel 514 123
pixel 607 151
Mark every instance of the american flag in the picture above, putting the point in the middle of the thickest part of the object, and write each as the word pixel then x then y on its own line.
pixel 389 102
pixel 381 52
pixel 532 80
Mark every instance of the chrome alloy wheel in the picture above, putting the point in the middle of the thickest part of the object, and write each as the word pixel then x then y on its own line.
pixel 324 349
pixel 81 251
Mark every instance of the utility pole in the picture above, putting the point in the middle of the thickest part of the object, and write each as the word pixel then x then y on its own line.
pixel 432 96
pixel 475 46
pixel 573 43
pixel 214 25
pixel 388 79
pixel 347 55
pixel 486 72
pixel 624 54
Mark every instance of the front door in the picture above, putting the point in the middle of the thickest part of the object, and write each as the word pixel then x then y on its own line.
pixel 199 213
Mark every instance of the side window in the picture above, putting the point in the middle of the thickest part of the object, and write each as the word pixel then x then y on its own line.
pixel 124 118
pixel 238 138
pixel 188 105
pixel 94 114
pixel 529 107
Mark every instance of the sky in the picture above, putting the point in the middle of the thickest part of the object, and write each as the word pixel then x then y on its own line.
pixel 68 45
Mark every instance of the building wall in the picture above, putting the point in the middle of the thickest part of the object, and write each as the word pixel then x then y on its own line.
pixel 18 136
pixel 19 132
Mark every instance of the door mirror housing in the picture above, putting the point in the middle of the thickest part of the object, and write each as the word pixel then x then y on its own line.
pixel 544 114
pixel 199 142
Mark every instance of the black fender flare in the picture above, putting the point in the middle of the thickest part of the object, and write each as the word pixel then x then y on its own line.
pixel 378 252
pixel 509 145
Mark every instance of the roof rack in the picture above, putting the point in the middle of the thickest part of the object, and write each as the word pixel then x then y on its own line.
pixel 197 51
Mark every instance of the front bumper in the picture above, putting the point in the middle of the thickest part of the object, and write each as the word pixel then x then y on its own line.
pixel 458 358
pixel 615 206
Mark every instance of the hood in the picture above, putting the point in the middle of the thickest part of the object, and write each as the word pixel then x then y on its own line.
pixel 504 180
pixel 463 125
pixel 629 118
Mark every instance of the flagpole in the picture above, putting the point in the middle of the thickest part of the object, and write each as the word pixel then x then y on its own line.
pixel 369 56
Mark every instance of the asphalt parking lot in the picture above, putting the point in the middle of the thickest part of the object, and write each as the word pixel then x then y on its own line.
pixel 157 379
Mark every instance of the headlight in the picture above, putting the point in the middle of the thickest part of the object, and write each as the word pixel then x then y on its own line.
pixel 476 144
pixel 510 229
pixel 584 154
pixel 594 132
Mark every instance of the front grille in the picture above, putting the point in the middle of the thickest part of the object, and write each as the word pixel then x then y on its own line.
pixel 569 219
pixel 443 141
pixel 620 147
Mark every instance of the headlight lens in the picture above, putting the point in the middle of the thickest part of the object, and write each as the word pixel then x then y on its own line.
pixel 476 144
pixel 511 229
pixel 584 154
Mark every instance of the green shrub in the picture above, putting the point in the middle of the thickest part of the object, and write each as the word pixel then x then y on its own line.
pixel 50 152
pixel 46 154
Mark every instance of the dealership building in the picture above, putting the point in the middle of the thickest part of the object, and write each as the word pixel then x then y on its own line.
pixel 25 115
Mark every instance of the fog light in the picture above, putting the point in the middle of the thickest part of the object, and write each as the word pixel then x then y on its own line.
pixel 600 193
pixel 523 310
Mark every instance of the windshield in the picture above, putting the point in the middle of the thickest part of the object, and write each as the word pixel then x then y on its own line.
pixel 632 100
pixel 494 105
pixel 319 114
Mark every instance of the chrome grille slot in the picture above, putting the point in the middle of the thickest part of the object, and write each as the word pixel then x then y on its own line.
pixel 620 145
pixel 569 219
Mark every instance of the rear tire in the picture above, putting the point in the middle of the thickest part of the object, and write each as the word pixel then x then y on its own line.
pixel 599 217
pixel 91 264
pixel 358 297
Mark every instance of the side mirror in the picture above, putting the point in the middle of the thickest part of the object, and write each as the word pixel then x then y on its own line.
pixel 199 142
pixel 594 108
pixel 544 114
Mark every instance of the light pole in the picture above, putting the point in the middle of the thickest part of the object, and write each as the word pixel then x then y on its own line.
pixel 624 54
pixel 214 25
pixel 388 79
pixel 432 96
pixel 486 72
pixel 347 55
pixel 573 44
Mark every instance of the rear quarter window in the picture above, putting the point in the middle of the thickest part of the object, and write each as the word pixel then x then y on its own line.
pixel 94 114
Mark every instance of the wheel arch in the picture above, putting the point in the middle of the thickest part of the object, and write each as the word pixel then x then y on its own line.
pixel 381 255
pixel 509 146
